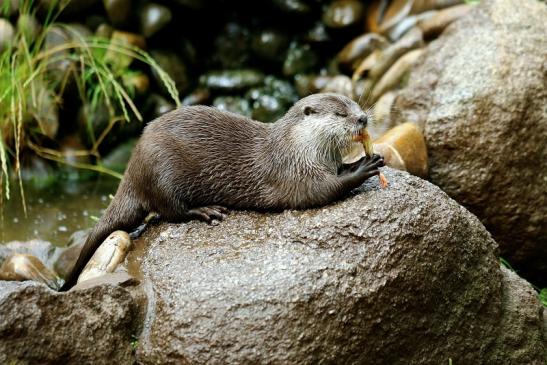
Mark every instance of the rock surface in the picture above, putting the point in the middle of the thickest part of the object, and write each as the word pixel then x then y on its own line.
pixel 91 326
pixel 398 275
pixel 480 94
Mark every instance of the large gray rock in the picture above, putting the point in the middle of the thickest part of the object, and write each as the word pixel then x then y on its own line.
pixel 91 326
pixel 403 275
pixel 481 95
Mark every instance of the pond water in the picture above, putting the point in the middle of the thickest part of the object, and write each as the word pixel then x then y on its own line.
pixel 54 214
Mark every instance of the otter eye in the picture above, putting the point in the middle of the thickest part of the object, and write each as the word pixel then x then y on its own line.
pixel 308 110
pixel 343 115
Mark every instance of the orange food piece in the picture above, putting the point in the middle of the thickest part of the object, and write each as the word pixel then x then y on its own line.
pixel 383 181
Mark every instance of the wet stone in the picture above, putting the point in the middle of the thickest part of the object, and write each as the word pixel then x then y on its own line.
pixel 232 80
pixel 198 96
pixel 343 13
pixel 340 84
pixel 234 104
pixel 300 59
pixel 310 84
pixel 232 47
pixel 171 63
pixel 270 44
pixel 104 30
pixel 118 11
pixel 359 48
pixel 153 17
pixel 292 6
pixel 28 26
pixel 157 105
pixel 7 33
pixel 117 158
pixel 318 34
pixel 271 101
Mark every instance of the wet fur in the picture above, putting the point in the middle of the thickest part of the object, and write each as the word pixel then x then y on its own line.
pixel 199 156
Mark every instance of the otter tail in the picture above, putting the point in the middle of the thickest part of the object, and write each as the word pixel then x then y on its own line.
pixel 124 213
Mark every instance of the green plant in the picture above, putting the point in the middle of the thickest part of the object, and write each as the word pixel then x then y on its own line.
pixel 27 83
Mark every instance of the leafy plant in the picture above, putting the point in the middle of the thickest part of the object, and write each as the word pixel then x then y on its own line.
pixel 30 82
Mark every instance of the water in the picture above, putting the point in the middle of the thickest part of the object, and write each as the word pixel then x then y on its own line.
pixel 54 214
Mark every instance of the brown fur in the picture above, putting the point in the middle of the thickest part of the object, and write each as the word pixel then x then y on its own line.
pixel 199 156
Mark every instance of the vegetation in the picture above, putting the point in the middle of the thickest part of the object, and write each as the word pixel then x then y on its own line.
pixel 33 79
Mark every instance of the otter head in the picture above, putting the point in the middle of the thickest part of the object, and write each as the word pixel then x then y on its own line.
pixel 327 124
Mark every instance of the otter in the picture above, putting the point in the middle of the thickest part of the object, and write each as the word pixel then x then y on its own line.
pixel 193 162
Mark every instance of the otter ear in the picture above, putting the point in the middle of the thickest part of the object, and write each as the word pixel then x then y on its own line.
pixel 308 110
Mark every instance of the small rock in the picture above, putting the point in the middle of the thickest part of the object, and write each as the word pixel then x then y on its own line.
pixel 234 104
pixel 118 11
pixel 399 29
pixel 300 59
pixel 104 30
pixel 232 47
pixel 433 26
pixel 310 84
pixel 28 26
pixel 154 17
pixel 232 80
pixel 270 44
pixel 42 250
pixel 271 101
pixel 318 34
pixel 118 38
pixel 23 267
pixel 7 32
pixel 196 97
pixel 411 40
pixel 393 76
pixel 157 105
pixel 343 13
pixel 171 63
pixel 117 158
pixel 292 6
pixel 359 48
pixel 340 84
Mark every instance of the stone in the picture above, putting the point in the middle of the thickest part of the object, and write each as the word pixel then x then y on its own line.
pixel 232 80
pixel 301 58
pixel 7 32
pixel 343 13
pixel 395 74
pixel 520 337
pixel 270 44
pixel 118 158
pixel 118 11
pixel 482 107
pixel 174 66
pixel 41 326
pixel 359 48
pixel 232 47
pixel 340 84
pixel 234 104
pixel 43 250
pixel 28 26
pixel 298 7
pixel 271 101
pixel 153 18
pixel 371 279
pixel 433 26
pixel 196 97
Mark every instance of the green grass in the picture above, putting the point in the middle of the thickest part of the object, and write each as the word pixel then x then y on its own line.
pixel 25 81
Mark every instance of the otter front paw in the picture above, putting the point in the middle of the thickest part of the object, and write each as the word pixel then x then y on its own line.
pixel 369 166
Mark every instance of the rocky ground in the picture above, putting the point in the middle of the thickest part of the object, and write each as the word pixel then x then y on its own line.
pixel 398 275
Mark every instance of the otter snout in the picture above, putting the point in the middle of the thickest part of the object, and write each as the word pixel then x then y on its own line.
pixel 363 120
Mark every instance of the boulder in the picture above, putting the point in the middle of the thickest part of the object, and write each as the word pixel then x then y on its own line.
pixel 480 95
pixel 92 326
pixel 398 275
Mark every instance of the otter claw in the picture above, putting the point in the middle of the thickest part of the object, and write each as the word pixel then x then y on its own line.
pixel 208 214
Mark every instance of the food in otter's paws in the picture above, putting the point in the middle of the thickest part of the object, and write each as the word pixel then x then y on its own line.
pixel 364 137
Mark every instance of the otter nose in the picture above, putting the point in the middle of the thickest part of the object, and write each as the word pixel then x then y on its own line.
pixel 363 120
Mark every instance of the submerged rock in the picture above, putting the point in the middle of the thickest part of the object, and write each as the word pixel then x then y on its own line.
pixel 482 106
pixel 353 282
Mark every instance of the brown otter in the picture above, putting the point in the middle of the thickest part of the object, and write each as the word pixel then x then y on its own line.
pixel 194 161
